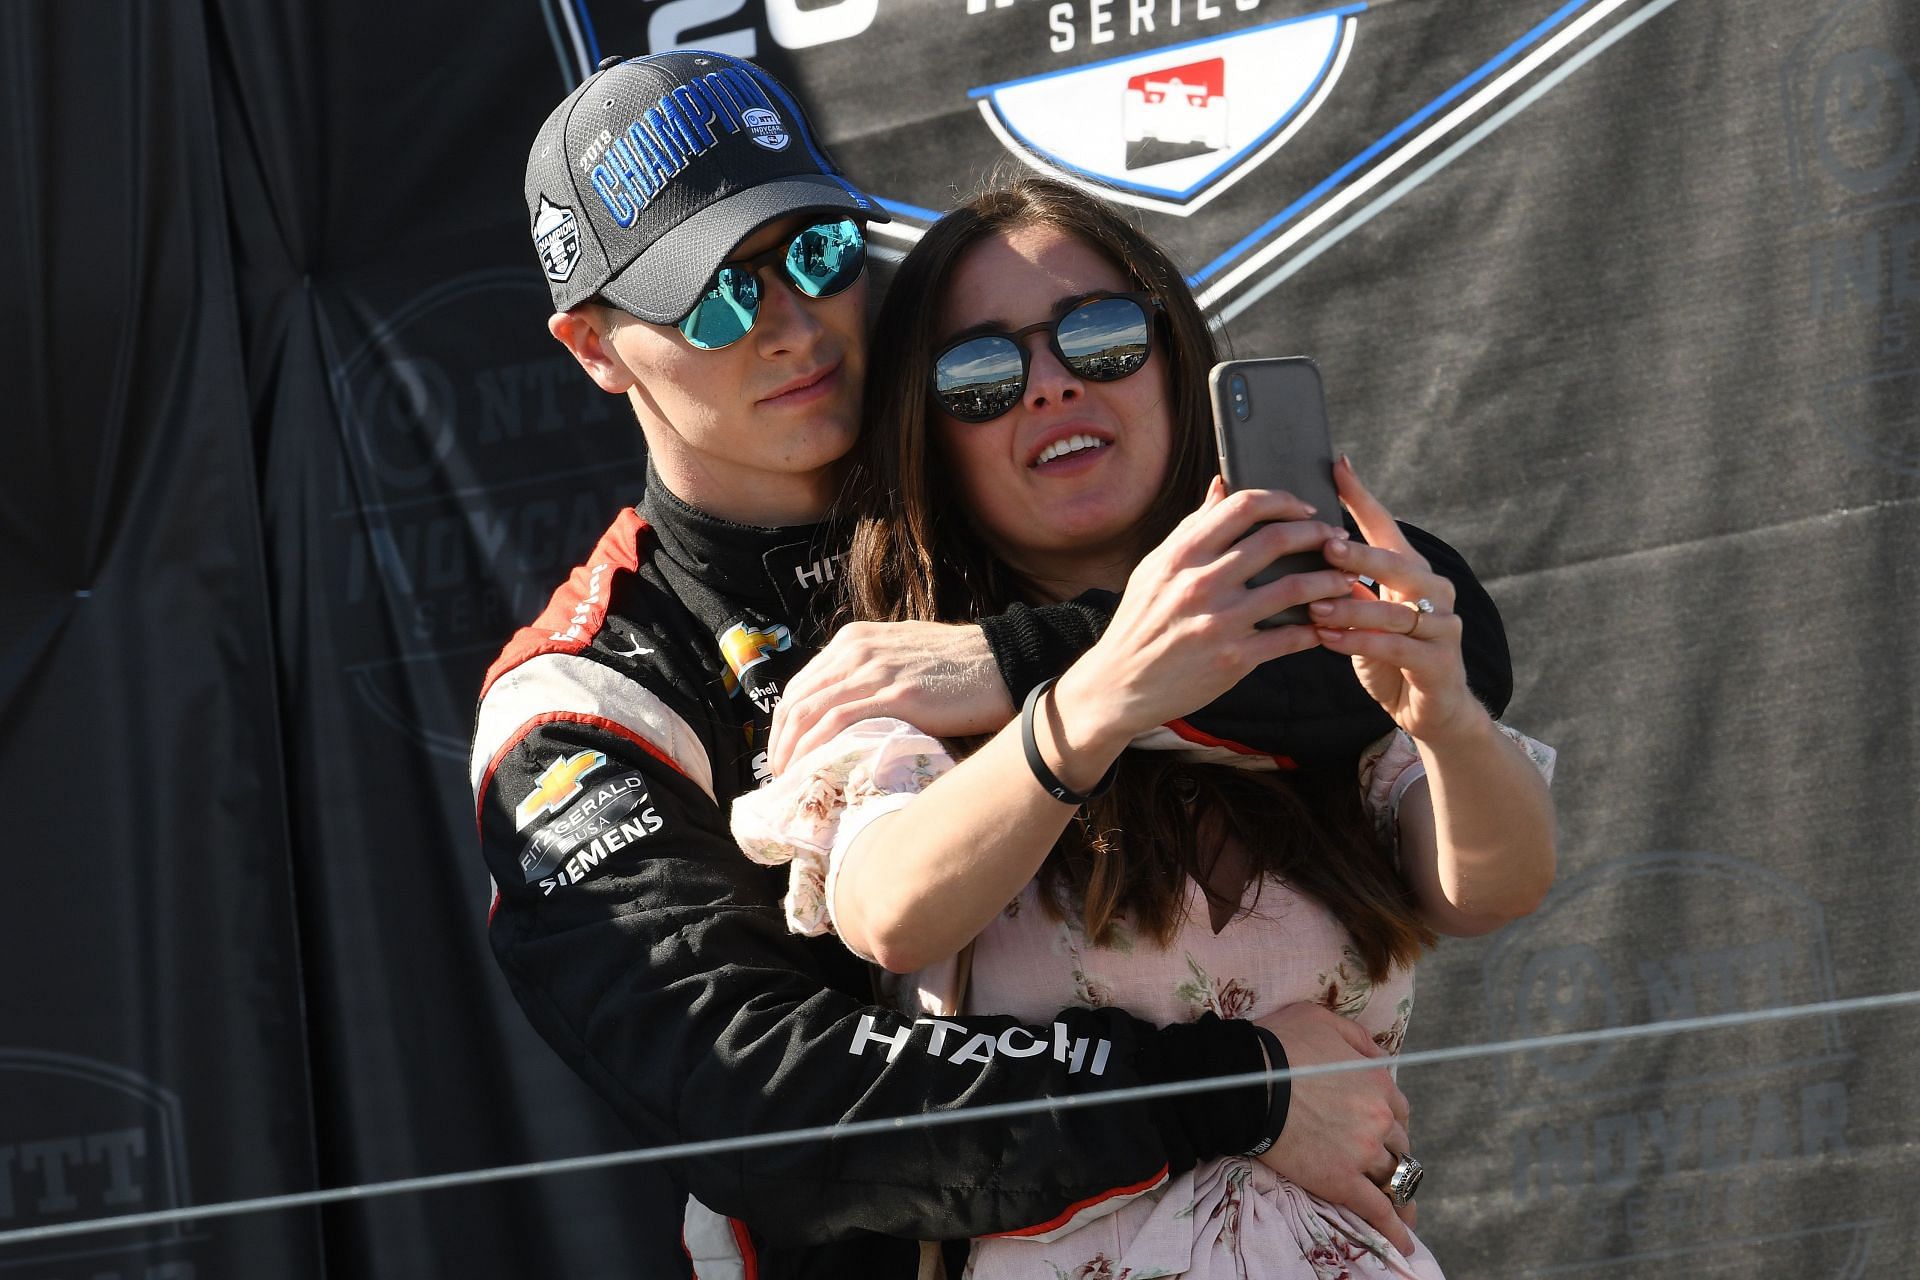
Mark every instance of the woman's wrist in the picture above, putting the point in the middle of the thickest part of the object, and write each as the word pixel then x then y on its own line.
pixel 1468 729
pixel 1037 763
pixel 1077 734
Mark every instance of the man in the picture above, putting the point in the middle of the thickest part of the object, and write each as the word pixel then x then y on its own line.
pixel 697 244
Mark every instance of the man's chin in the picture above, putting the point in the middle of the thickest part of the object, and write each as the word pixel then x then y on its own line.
pixel 828 438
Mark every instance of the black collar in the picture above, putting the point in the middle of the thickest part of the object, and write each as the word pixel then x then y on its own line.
pixel 785 573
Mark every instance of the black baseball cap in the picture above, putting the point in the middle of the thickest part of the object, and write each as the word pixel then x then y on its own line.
pixel 650 173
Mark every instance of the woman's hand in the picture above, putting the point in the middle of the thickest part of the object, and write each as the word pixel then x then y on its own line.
pixel 1407 657
pixel 1476 833
pixel 1186 629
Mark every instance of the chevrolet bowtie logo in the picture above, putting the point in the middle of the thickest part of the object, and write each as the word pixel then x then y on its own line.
pixel 743 647
pixel 558 783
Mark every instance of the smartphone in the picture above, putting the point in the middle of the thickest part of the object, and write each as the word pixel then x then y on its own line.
pixel 1270 423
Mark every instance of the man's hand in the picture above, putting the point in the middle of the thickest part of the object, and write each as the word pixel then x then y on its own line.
pixel 1342 1128
pixel 939 678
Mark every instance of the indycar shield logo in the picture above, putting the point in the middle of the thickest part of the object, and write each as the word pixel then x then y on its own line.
pixel 766 128
pixel 1177 125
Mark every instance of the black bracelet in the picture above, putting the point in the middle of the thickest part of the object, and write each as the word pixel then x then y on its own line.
pixel 1052 785
pixel 1279 1092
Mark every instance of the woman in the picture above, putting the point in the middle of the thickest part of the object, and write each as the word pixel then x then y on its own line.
pixel 1043 431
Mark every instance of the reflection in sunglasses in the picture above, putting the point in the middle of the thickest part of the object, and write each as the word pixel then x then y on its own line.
pixel 1104 338
pixel 819 262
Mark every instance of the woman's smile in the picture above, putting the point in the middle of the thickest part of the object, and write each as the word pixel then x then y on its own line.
pixel 1060 447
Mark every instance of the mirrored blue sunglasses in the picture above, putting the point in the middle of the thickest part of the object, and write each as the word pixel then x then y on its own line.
pixel 820 261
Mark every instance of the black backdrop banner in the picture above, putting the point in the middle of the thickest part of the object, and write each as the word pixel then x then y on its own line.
pixel 1623 296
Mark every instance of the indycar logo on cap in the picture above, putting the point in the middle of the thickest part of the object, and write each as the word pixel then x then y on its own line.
pixel 556 237
pixel 558 783
pixel 766 128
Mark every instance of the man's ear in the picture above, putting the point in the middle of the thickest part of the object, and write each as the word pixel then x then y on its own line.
pixel 586 334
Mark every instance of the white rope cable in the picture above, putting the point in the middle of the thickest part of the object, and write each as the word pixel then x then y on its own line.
pixel 999 1110
pixel 579 43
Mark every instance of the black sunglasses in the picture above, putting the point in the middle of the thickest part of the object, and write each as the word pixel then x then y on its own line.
pixel 1103 337
pixel 820 261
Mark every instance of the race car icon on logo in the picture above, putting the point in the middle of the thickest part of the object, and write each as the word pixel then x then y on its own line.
pixel 1178 105
pixel 556 237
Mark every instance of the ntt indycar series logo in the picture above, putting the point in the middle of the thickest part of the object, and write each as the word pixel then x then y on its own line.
pixel 1170 124
pixel 1259 134
pixel 1292 129
pixel 1290 124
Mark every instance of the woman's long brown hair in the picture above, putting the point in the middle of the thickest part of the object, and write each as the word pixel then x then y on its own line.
pixel 916 554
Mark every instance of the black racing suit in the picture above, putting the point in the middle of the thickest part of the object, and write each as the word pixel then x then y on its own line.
pixel 611 738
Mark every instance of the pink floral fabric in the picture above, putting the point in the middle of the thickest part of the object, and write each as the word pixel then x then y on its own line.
pixel 810 815
pixel 1227 1220
pixel 1228 1217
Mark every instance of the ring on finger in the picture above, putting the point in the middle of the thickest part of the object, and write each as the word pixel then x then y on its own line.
pixel 1421 608
pixel 1404 1181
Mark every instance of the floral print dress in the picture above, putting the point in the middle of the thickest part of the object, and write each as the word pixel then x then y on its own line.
pixel 1228 1217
